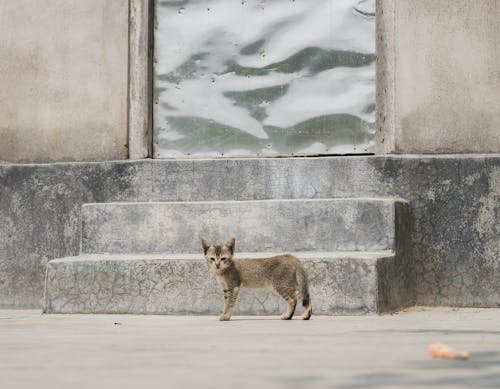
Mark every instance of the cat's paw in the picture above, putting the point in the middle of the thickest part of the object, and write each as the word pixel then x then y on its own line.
pixel 307 314
pixel 224 317
pixel 286 317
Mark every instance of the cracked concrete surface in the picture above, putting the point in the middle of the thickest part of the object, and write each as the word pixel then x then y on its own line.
pixel 454 210
pixel 340 283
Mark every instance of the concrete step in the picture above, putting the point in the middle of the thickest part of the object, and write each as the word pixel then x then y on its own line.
pixel 340 283
pixel 354 250
pixel 324 225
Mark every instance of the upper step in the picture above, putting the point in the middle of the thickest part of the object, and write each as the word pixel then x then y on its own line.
pixel 326 225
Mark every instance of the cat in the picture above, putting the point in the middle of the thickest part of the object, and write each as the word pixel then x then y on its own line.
pixel 284 273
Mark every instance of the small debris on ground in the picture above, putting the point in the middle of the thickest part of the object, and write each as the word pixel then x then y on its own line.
pixel 440 350
pixel 117 323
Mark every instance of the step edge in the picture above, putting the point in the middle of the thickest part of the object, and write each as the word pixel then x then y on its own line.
pixel 199 257
pixel 328 199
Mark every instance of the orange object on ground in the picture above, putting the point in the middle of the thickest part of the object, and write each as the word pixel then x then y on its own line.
pixel 440 350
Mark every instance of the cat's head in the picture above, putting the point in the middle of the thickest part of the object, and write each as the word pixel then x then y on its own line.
pixel 219 257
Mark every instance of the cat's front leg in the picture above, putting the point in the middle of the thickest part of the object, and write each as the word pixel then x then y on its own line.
pixel 230 296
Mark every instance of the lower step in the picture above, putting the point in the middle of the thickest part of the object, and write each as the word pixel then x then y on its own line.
pixel 340 283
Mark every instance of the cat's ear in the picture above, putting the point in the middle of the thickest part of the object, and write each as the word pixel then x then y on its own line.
pixel 205 245
pixel 230 245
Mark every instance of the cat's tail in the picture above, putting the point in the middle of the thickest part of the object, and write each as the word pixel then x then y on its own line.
pixel 304 291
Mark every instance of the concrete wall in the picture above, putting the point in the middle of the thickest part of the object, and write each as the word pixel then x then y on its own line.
pixel 67 92
pixel 454 207
pixel 439 78
pixel 63 77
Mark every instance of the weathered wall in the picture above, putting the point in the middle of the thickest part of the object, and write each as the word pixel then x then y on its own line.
pixel 438 76
pixel 63 77
pixel 455 208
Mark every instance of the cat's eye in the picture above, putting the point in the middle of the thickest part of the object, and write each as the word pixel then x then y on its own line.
pixel 223 259
pixel 212 259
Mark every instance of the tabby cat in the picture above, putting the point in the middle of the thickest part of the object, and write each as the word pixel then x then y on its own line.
pixel 284 273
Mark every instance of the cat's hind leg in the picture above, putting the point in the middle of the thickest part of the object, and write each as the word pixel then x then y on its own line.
pixel 291 296
pixel 308 311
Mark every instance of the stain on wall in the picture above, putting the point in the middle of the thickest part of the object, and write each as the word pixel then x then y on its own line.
pixel 454 207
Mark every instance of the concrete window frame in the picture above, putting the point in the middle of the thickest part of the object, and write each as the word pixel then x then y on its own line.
pixel 385 76
pixel 140 81
pixel 140 77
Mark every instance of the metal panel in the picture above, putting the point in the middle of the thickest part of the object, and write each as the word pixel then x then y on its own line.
pixel 248 78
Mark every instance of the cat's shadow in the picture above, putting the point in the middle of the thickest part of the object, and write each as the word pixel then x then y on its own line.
pixel 263 318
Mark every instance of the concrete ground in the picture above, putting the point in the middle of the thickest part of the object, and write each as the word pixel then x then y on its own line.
pixel 123 351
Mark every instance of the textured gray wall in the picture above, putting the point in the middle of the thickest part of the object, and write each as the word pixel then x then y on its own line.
pixel 438 78
pixel 63 77
pixel 455 207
